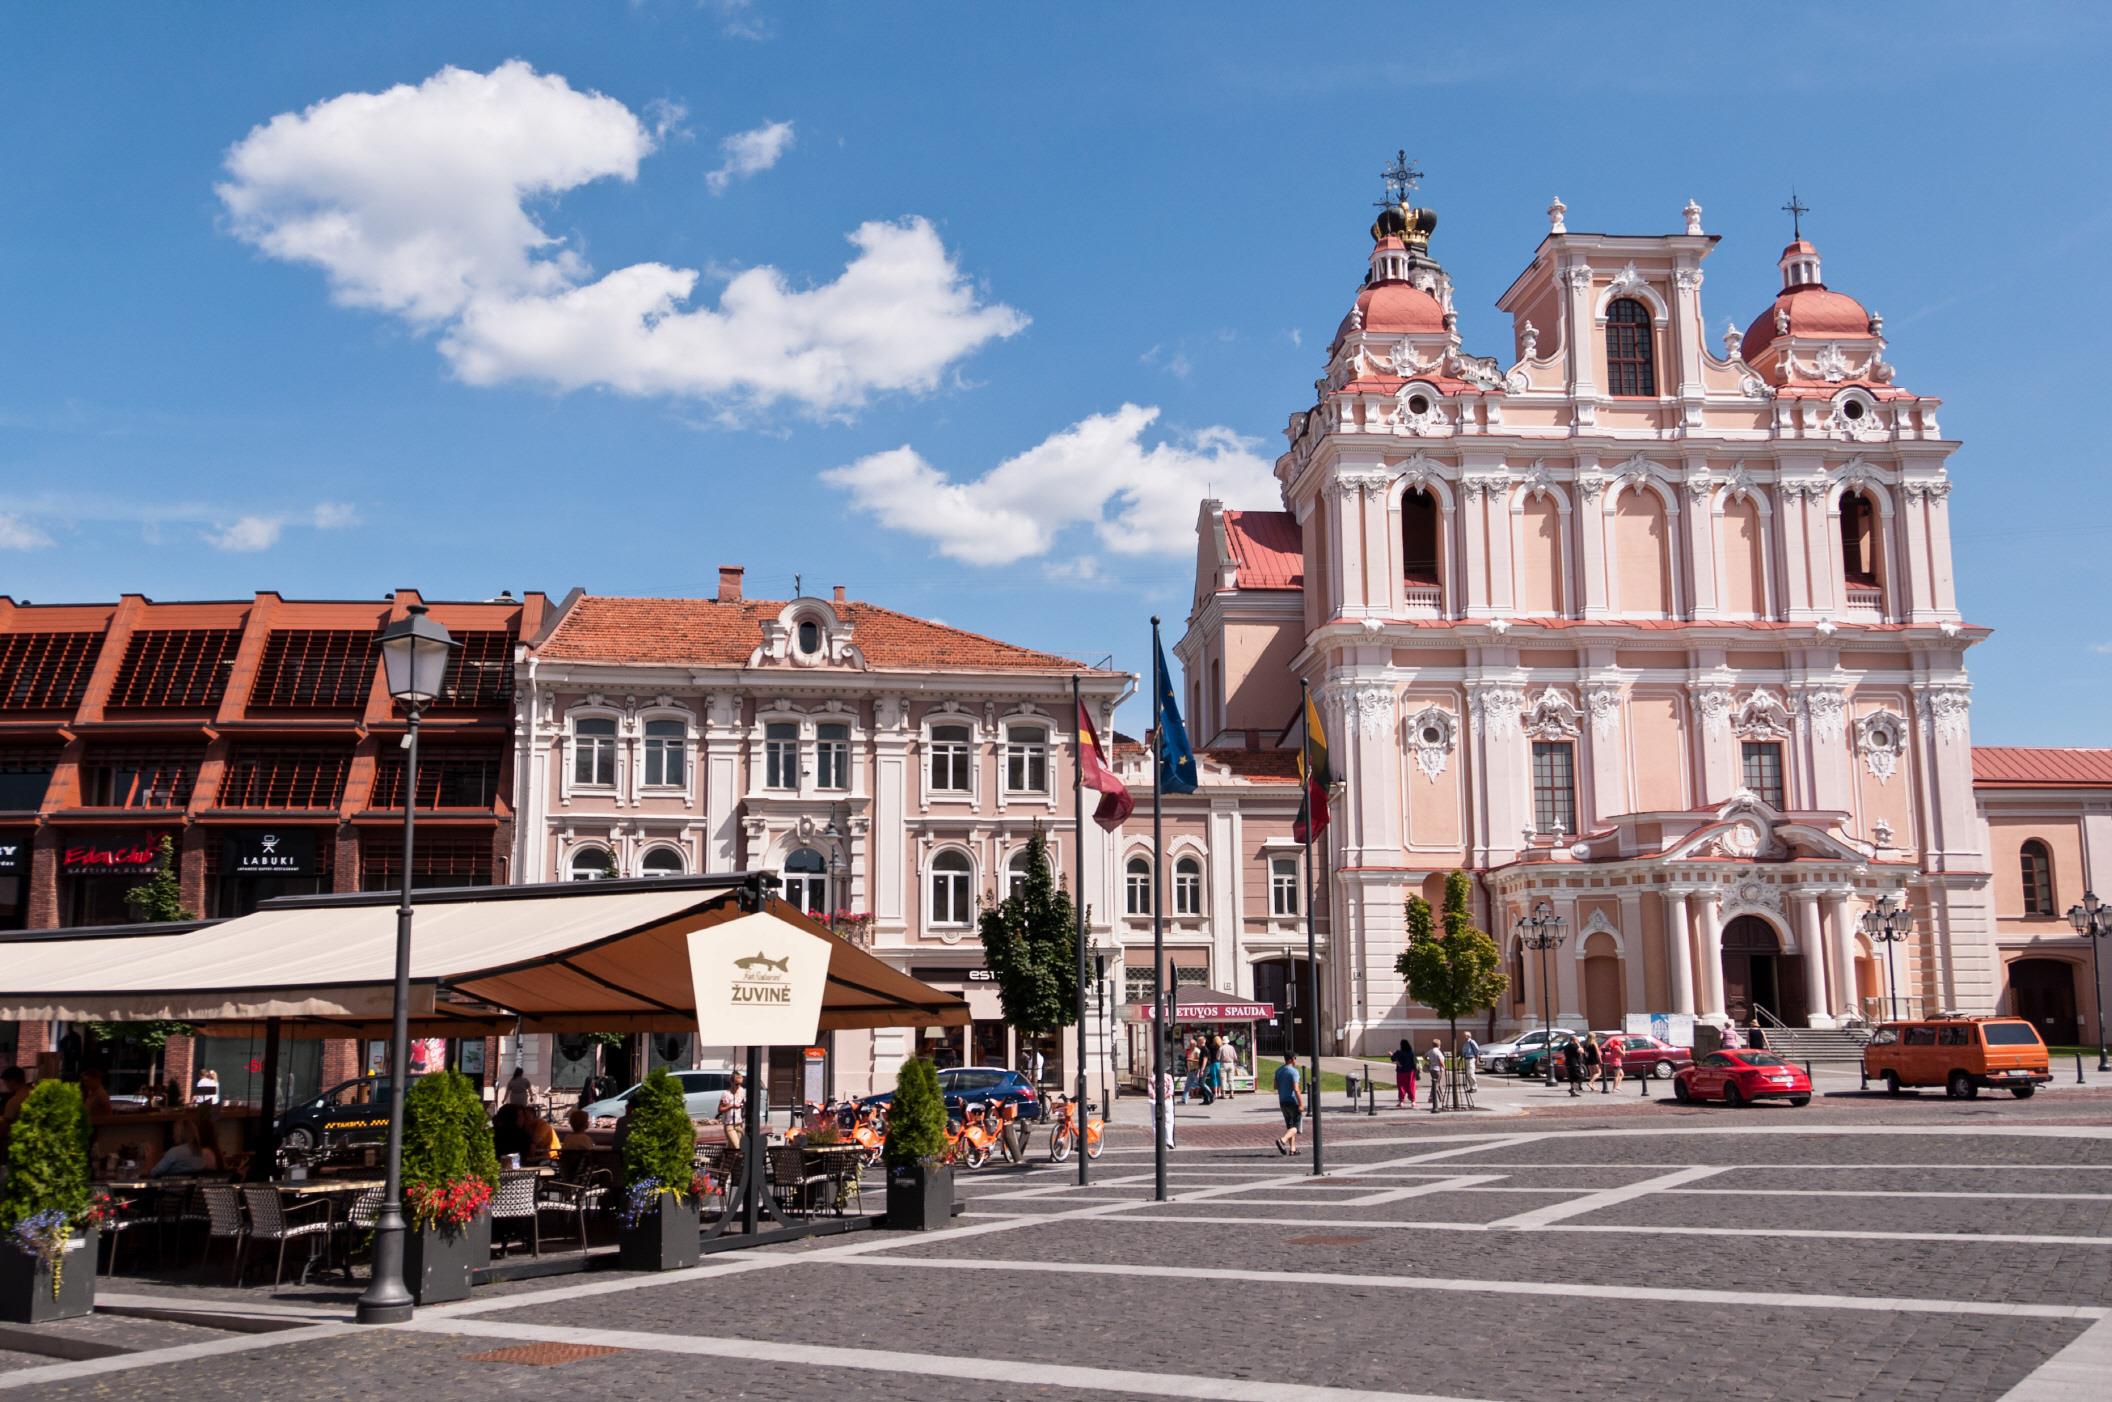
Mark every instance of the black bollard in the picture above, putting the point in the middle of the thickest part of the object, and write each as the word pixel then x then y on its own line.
pixel 2078 1068
pixel 1642 1086
pixel 1807 1070
pixel 1863 1070
pixel 1371 1097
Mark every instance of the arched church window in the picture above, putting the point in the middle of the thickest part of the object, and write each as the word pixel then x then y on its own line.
pixel 2038 877
pixel 1418 537
pixel 1858 539
pixel 1630 367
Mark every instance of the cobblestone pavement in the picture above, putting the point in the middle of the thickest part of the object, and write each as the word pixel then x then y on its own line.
pixel 1890 1248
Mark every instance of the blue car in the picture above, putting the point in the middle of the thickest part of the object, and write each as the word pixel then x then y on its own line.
pixel 961 1085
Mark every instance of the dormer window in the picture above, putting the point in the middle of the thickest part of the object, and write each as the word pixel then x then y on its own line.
pixel 1630 367
pixel 809 637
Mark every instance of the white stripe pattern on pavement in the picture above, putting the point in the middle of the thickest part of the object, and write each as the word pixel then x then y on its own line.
pixel 1607 1197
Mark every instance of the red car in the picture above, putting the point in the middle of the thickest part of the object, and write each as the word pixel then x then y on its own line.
pixel 1644 1055
pixel 1736 1077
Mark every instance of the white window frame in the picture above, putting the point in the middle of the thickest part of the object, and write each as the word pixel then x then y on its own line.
pixel 966 755
pixel 832 756
pixel 941 868
pixel 804 883
pixel 1188 886
pixel 1016 872
pixel 681 867
pixel 577 854
pixel 650 745
pixel 1137 886
pixel 1286 895
pixel 1023 757
pixel 778 754
pixel 580 746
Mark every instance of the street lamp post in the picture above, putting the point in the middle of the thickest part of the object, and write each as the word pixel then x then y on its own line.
pixel 2094 919
pixel 415 651
pixel 1889 922
pixel 1542 930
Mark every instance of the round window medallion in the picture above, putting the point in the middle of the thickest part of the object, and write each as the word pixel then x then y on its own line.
pixel 1853 409
pixel 1417 404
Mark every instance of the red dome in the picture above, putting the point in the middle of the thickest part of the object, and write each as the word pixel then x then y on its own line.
pixel 1813 311
pixel 1394 307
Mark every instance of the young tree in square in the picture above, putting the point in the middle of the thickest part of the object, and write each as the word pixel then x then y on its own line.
pixel 1029 944
pixel 1455 970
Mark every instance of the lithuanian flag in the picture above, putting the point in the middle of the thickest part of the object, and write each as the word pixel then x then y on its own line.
pixel 1312 767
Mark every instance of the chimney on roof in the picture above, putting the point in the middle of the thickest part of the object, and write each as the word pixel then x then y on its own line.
pixel 729 584
pixel 839 593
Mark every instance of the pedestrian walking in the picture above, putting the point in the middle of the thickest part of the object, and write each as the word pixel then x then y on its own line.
pixel 1290 1098
pixel 1434 1067
pixel 1213 1079
pixel 1404 1061
pixel 517 1089
pixel 1227 1063
pixel 1591 1059
pixel 1166 1096
pixel 1192 1056
pixel 1573 1064
pixel 1470 1063
pixel 1613 1057
pixel 1732 1041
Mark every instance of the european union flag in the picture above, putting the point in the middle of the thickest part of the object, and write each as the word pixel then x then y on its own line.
pixel 1176 756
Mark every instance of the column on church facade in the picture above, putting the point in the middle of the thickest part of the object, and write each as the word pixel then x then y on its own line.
pixel 1637 996
pixel 1679 944
pixel 1812 945
pixel 1842 942
pixel 1700 533
pixel 1708 922
pixel 1569 998
pixel 1590 525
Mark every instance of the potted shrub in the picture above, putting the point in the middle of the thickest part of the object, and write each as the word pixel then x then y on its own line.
pixel 919 1185
pixel 48 1211
pixel 658 1226
pixel 449 1172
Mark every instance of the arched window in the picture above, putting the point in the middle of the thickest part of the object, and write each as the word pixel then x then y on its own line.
pixel 1858 540
pixel 662 861
pixel 593 864
pixel 2037 860
pixel 1418 537
pixel 1187 887
pixel 809 637
pixel 951 875
pixel 1136 886
pixel 1629 366
pixel 666 754
pixel 807 881
pixel 1016 873
pixel 594 751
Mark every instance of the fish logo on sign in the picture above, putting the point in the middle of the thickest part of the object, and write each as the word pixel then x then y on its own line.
pixel 762 981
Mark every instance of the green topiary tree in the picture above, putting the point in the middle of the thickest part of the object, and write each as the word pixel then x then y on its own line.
pixel 660 1146
pixel 449 1169
pixel 916 1121
pixel 47 1157
pixel 1458 971
pixel 1029 942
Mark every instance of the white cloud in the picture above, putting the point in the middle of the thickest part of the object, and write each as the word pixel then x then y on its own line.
pixel 2102 649
pixel 738 19
pixel 1138 500
pixel 413 202
pixel 750 153
pixel 19 534
pixel 250 533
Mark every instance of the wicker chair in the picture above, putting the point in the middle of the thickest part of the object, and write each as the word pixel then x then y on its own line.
pixel 515 1203
pixel 360 1216
pixel 272 1220
pixel 791 1180
pixel 222 1209
pixel 576 1199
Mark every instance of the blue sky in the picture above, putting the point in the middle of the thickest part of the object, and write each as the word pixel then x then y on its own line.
pixel 212 382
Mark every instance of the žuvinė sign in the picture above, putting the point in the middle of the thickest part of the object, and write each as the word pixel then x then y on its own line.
pixel 758 982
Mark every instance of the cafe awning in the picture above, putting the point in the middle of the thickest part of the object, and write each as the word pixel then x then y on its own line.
pixel 605 956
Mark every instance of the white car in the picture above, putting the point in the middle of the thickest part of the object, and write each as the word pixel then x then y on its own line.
pixel 700 1095
pixel 1499 1058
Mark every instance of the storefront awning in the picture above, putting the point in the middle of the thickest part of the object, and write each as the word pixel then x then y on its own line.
pixel 1207 1005
pixel 577 957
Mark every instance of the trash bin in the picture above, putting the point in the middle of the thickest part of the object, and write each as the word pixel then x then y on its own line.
pixel 1356 1088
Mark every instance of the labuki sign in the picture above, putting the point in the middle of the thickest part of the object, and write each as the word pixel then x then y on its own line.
pixel 265 852
pixel 758 982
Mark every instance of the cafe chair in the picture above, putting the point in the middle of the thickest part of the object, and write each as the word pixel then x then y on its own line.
pixel 221 1207
pixel 360 1216
pixel 791 1180
pixel 514 1203
pixel 128 1215
pixel 576 1199
pixel 271 1220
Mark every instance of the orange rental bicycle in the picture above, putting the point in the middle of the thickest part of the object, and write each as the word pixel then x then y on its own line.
pixel 1063 1137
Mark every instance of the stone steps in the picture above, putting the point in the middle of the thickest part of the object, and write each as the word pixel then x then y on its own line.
pixel 1816 1044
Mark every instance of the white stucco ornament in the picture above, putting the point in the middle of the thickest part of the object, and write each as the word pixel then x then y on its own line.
pixel 1432 732
pixel 1552 716
pixel 1881 738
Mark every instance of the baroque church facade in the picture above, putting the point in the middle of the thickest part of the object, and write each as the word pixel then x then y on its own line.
pixel 1651 626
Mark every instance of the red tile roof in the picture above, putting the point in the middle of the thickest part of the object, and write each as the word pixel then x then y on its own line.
pixel 2021 767
pixel 1267 549
pixel 705 632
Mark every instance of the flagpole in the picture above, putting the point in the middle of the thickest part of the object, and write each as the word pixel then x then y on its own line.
pixel 1160 1100
pixel 1312 956
pixel 1078 901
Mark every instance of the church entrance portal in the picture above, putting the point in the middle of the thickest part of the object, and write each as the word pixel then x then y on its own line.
pixel 1757 973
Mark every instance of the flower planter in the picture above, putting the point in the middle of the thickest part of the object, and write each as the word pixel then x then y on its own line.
pixel 25 1283
pixel 919 1197
pixel 437 1259
pixel 666 1237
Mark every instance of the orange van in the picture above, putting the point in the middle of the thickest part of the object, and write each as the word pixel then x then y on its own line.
pixel 1961 1054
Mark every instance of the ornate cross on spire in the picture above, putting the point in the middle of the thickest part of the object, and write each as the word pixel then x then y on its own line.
pixel 1796 210
pixel 1401 178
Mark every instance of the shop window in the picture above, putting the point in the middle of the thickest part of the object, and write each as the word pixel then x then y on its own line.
pixel 46 671
pixel 1554 786
pixel 666 754
pixel 1629 365
pixel 594 752
pixel 1136 886
pixel 288 777
pixel 1283 886
pixel 175 668
pixel 1026 759
pixel 806 881
pixel 25 774
pixel 138 779
pixel 832 757
pixel 479 672
pixel 1187 887
pixel 450 776
pixel 2037 859
pixel 1763 771
pixel 951 875
pixel 949 759
pixel 315 669
pixel 781 755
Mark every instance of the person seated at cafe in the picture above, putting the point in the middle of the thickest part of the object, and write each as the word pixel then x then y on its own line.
pixel 95 1096
pixel 509 1135
pixel 542 1138
pixel 189 1153
pixel 576 1139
